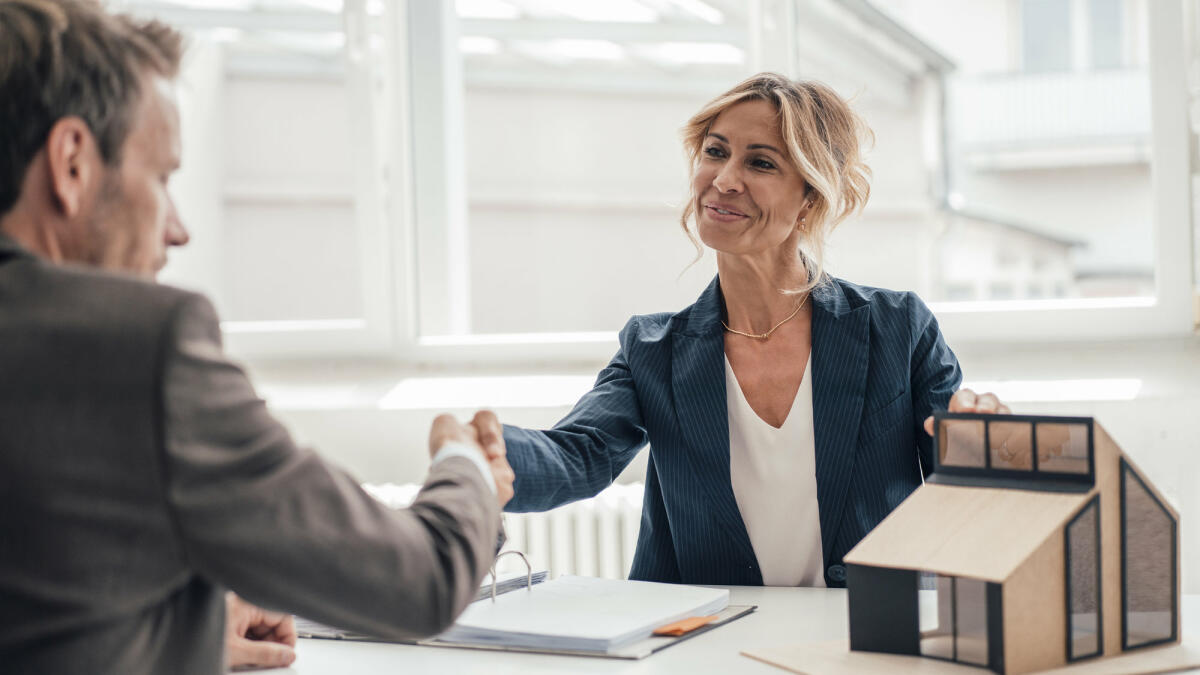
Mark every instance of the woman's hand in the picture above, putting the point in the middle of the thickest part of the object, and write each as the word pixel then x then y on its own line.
pixel 965 401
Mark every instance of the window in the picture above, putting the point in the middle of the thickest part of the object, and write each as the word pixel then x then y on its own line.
pixel 1063 448
pixel 970 621
pixel 500 180
pixel 1045 35
pixel 281 170
pixel 953 619
pixel 1012 450
pixel 1085 624
pixel 1149 578
pixel 1010 445
pixel 961 443
pixel 936 620
pixel 1106 25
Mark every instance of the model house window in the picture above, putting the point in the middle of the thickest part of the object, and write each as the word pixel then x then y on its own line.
pixel 1148 565
pixel 1010 445
pixel 953 620
pixel 936 619
pixel 1062 448
pixel 1084 616
pixel 961 443
pixel 1019 447
pixel 970 621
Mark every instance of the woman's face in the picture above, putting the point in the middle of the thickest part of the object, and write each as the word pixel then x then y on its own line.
pixel 749 197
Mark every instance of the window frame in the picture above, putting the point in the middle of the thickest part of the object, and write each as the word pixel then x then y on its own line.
pixel 1128 470
pixel 390 218
pixel 1093 503
pixel 1033 478
pixel 1168 313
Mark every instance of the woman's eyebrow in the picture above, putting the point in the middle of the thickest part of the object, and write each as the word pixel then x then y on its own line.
pixel 763 146
pixel 752 146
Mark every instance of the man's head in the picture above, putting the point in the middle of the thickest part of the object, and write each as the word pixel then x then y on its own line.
pixel 89 134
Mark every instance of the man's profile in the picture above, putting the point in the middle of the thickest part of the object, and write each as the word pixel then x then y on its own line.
pixel 140 474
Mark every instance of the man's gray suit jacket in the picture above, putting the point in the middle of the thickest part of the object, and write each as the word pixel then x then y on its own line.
pixel 140 476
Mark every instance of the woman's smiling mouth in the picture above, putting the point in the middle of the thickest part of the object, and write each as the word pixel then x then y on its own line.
pixel 723 213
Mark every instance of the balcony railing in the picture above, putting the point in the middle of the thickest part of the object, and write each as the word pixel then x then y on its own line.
pixel 1016 111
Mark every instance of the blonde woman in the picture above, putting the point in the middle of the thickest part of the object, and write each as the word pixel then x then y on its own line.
pixel 785 410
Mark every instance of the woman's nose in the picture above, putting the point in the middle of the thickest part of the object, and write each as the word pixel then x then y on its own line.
pixel 727 179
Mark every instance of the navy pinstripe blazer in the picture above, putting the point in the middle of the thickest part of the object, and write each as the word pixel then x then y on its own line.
pixel 880 366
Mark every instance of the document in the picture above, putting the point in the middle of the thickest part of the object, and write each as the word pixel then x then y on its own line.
pixel 581 614
pixel 505 583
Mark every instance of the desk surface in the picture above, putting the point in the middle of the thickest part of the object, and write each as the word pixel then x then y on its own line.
pixel 785 616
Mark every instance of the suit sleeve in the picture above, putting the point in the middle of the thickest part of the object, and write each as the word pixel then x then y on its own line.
pixel 286 530
pixel 586 451
pixel 935 374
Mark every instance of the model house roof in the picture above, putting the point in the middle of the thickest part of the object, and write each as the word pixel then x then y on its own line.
pixel 977 532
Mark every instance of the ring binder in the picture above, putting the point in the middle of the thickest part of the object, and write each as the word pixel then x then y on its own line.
pixel 528 568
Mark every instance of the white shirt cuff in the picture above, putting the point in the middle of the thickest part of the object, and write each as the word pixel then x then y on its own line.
pixel 456 449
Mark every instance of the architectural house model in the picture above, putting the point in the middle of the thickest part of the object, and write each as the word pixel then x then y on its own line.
pixel 1036 543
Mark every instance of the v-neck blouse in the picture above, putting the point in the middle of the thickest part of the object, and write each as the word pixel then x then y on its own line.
pixel 774 478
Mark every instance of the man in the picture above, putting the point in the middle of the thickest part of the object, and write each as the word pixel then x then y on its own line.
pixel 139 473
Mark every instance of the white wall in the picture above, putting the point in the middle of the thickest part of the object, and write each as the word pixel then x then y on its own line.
pixel 978 35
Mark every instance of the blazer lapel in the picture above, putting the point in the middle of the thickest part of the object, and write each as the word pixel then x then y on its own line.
pixel 840 346
pixel 698 388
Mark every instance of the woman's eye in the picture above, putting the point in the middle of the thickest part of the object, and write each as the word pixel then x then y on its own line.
pixel 714 151
pixel 763 164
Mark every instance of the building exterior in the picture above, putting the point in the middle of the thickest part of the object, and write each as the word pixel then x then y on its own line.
pixel 1035 544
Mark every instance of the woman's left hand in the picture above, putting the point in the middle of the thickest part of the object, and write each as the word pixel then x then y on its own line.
pixel 965 401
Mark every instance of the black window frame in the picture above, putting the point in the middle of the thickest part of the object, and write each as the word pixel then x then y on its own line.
pixel 994 616
pixel 1094 502
pixel 1030 479
pixel 1128 470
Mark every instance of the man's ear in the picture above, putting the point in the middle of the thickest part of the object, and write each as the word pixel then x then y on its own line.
pixel 73 157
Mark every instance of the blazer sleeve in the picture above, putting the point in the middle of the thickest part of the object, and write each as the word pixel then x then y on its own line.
pixel 935 374
pixel 586 451
pixel 286 530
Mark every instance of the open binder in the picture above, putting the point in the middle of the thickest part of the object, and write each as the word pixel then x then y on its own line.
pixel 582 616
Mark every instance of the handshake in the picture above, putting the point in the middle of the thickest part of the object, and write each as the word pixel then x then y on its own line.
pixel 483 433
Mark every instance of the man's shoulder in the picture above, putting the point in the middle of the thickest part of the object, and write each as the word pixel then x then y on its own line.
pixel 89 297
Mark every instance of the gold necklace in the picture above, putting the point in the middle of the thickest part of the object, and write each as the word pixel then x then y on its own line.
pixel 764 336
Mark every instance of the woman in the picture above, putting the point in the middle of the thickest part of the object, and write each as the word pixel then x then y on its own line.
pixel 784 409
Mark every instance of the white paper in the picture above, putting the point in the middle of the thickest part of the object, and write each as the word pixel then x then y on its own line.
pixel 583 613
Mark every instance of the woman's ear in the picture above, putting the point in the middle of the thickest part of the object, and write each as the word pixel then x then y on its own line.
pixel 801 223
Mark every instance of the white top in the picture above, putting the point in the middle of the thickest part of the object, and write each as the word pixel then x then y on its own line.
pixel 774 476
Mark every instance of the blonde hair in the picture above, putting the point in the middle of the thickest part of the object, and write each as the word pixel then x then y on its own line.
pixel 823 138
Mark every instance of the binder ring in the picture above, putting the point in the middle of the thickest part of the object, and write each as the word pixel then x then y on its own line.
pixel 528 573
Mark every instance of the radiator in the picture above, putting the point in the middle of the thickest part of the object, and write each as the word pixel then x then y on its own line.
pixel 592 537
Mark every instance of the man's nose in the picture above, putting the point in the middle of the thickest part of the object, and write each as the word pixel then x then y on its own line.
pixel 176 234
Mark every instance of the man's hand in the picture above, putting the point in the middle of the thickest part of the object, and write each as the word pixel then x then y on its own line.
pixel 447 429
pixel 257 638
pixel 491 436
pixel 965 400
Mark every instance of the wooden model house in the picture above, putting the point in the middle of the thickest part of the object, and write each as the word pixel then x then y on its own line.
pixel 1036 543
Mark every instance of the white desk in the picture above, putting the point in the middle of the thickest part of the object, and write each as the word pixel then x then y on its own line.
pixel 785 616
